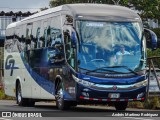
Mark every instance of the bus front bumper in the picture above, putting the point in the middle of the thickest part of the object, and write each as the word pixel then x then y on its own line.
pixel 88 94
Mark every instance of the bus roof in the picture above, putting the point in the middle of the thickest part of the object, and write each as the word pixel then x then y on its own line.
pixel 12 25
pixel 102 10
pixel 113 12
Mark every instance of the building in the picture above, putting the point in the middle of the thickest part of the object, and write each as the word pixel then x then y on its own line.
pixel 8 17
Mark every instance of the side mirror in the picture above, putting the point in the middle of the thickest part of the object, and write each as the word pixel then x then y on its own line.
pixel 151 39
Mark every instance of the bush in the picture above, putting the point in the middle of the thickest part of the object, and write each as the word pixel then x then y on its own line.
pixel 2 95
pixel 152 103
pixel 155 102
pixel 147 104
pixel 151 53
pixel 155 53
pixel 135 104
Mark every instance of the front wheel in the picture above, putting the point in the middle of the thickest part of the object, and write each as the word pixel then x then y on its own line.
pixel 121 105
pixel 60 102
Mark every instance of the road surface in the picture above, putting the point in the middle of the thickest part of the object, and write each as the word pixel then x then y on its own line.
pixel 9 110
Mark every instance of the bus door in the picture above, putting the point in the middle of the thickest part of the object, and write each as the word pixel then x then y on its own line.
pixel 70 54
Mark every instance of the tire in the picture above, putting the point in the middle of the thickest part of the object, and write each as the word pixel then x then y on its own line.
pixel 73 103
pixel 20 100
pixel 60 102
pixel 30 103
pixel 121 105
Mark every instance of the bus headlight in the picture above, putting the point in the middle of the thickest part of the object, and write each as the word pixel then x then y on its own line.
pixel 140 84
pixel 83 82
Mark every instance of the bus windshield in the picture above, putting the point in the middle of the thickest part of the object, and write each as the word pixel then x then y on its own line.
pixel 110 45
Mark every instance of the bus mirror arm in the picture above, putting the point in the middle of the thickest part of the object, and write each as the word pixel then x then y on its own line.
pixel 73 39
pixel 64 70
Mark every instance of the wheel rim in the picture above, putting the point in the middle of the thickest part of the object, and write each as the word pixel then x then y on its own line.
pixel 19 95
pixel 60 97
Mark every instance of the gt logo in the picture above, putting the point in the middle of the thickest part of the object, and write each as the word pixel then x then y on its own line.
pixel 10 62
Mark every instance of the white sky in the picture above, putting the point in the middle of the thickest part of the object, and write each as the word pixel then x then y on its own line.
pixel 23 5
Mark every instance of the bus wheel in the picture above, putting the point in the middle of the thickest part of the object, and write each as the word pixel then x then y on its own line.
pixel 60 102
pixel 121 105
pixel 20 100
pixel 31 103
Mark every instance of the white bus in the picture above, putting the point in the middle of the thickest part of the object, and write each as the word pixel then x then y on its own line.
pixel 70 54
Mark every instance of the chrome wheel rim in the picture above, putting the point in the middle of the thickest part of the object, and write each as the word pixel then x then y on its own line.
pixel 19 95
pixel 60 96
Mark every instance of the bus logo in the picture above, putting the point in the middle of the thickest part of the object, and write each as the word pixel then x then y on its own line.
pixel 115 87
pixel 10 62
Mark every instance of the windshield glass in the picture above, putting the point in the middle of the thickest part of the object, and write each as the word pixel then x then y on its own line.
pixel 110 44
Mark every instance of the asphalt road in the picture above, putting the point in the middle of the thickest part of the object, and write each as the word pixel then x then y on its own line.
pixel 9 110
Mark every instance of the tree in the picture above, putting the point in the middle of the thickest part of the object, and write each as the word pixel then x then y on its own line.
pixel 45 8
pixel 54 3
pixel 147 8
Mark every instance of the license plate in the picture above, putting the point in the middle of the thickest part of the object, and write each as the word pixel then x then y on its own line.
pixel 114 95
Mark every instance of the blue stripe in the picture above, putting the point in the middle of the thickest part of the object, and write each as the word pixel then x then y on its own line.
pixel 44 83
pixel 41 81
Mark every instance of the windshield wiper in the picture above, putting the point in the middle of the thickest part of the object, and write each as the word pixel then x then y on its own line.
pixel 105 70
pixel 99 70
pixel 102 69
pixel 127 68
pixel 85 69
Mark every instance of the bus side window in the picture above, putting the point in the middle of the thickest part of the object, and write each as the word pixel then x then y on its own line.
pixel 28 40
pixel 28 36
pixel 22 44
pixel 48 37
pixel 45 37
pixel 46 32
pixel 33 43
pixel 38 37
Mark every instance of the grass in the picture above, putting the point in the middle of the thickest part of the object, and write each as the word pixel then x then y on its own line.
pixel 150 103
pixel 5 97
pixel 2 95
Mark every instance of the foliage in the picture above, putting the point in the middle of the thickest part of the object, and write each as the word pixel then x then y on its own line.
pixel 54 3
pixel 155 102
pixel 148 8
pixel 4 97
pixel 155 53
pixel 147 104
pixel 157 32
pixel 151 53
pixel 152 103
pixel 135 105
pixel 42 9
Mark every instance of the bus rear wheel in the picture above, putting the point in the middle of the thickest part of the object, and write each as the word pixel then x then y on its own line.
pixel 20 100
pixel 23 101
pixel 60 102
pixel 121 105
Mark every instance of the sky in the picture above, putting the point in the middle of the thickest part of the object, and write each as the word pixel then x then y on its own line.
pixel 23 5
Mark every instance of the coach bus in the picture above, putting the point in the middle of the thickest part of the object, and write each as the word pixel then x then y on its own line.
pixel 77 54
